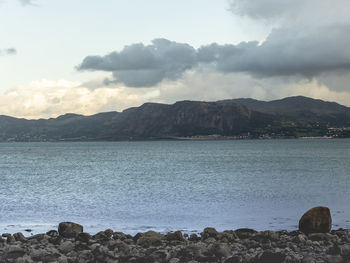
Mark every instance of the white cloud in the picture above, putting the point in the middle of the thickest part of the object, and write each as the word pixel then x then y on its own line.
pixel 47 98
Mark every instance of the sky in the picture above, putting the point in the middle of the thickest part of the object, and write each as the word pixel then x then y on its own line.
pixel 89 56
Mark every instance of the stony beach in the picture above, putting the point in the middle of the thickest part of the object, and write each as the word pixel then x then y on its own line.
pixel 315 243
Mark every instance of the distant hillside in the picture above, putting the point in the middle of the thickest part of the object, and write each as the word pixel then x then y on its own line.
pixel 291 105
pixel 237 118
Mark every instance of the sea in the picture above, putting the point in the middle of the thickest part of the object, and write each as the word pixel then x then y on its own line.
pixel 172 185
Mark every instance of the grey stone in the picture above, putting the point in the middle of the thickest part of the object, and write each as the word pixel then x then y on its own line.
pixel 66 247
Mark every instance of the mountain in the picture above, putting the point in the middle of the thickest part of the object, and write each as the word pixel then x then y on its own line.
pixel 238 118
pixel 291 105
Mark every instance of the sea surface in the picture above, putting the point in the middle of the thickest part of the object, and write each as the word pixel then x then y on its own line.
pixel 171 185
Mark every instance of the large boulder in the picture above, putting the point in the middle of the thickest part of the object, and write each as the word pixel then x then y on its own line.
pixel 69 229
pixel 316 220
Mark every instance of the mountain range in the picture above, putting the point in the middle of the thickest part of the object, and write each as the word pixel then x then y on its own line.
pixel 290 117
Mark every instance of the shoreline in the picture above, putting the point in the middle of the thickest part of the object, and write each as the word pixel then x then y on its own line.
pixel 70 244
pixel 194 138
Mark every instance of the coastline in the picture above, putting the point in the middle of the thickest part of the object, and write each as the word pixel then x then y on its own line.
pixel 192 138
pixel 71 244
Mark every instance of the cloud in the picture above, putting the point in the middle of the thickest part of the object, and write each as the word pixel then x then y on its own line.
pixel 309 40
pixel 51 98
pixel 286 12
pixel 8 51
pixel 307 53
pixel 264 9
pixel 139 65
pixel 286 52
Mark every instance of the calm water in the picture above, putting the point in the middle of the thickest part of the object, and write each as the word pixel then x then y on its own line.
pixel 167 185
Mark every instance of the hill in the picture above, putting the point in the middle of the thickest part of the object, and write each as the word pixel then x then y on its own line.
pixel 238 118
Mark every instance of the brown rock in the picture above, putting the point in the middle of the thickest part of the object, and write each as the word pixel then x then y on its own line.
pixel 69 229
pixel 316 220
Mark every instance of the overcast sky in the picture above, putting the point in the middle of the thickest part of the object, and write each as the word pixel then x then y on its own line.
pixel 89 56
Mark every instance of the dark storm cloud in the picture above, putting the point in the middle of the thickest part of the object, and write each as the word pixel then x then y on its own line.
pixel 138 65
pixel 288 51
pixel 306 52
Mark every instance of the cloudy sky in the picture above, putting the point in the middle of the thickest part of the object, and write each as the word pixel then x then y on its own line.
pixel 89 56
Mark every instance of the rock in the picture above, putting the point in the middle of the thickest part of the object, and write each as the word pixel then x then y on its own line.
pixel 109 233
pixel 226 247
pixel 66 247
pixel 291 259
pixel 334 259
pixel 52 233
pixel 266 235
pixel 14 251
pixel 55 240
pixel 323 236
pixel 301 238
pixel 269 257
pixel 160 256
pixel 101 236
pixel 234 259
pixel 39 254
pixel 209 232
pixel 308 259
pixel 316 220
pixel 150 238
pixel 19 237
pixel 198 251
pixel 83 237
pixel 80 246
pixel 20 260
pixel 119 235
pixel 194 238
pixel 177 236
pixel 7 235
pixel 85 256
pixel 243 233
pixel 69 229
pixel 228 236
pixel 345 251
pixel 9 238
pixel 220 250
pixel 62 259
pixel 334 250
